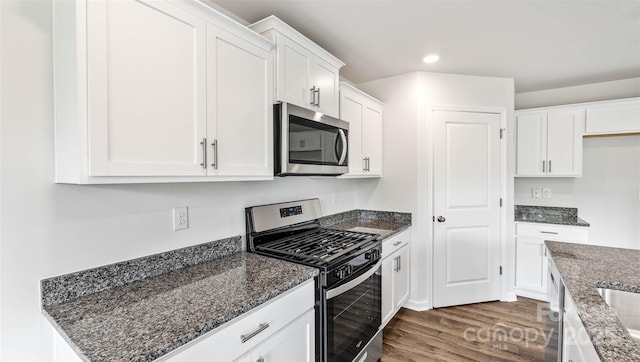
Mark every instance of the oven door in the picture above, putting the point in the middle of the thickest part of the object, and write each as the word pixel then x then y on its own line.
pixel 353 314
pixel 310 143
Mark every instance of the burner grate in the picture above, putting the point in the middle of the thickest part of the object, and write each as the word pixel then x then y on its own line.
pixel 321 244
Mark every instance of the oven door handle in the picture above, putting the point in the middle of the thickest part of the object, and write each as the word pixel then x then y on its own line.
pixel 349 285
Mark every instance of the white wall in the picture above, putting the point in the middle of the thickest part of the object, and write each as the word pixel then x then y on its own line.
pixel 607 194
pixel 49 229
pixel 407 155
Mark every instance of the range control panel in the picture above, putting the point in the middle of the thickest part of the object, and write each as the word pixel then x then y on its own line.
pixel 290 211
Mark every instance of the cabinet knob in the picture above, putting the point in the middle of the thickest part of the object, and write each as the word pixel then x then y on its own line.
pixel 260 359
pixel 441 218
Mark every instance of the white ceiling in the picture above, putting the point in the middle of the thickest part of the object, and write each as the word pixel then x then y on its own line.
pixel 543 44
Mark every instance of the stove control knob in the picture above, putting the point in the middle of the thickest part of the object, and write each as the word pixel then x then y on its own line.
pixel 339 274
pixel 348 270
pixel 369 255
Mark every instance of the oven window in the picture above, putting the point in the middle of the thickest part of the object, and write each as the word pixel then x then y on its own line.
pixel 353 318
pixel 313 142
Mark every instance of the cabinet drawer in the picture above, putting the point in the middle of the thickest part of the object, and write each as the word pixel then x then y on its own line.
pixel 552 232
pixel 225 344
pixel 395 242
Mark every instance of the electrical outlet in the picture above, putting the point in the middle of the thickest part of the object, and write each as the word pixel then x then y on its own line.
pixel 536 193
pixel 546 193
pixel 180 218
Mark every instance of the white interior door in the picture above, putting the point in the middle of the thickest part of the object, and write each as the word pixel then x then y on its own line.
pixel 466 203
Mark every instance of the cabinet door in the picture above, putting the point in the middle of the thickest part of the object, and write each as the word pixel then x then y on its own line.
pixel 401 278
pixel 564 143
pixel 388 304
pixel 325 78
pixel 531 144
pixel 295 342
pixel 372 139
pixel 294 68
pixel 352 111
pixel 531 273
pixel 240 113
pixel 146 89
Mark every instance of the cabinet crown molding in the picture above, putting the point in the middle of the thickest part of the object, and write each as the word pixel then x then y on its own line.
pixel 274 23
pixel 349 87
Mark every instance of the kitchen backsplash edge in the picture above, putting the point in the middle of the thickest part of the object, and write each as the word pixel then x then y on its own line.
pixel 329 220
pixel 63 288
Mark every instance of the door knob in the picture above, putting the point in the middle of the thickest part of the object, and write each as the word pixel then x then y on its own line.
pixel 441 219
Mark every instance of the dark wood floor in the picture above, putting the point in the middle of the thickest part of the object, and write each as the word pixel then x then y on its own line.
pixel 493 331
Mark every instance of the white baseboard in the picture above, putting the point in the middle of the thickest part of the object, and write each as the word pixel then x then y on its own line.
pixel 509 297
pixel 418 306
pixel 533 295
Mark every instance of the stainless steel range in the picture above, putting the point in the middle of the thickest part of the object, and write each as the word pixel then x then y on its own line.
pixel 348 288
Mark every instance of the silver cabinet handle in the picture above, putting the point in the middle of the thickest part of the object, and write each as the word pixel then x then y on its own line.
pixel 364 164
pixel 395 268
pixel 313 95
pixel 215 154
pixel 399 263
pixel 543 166
pixel 441 218
pixel 549 232
pixel 397 243
pixel 261 328
pixel 318 99
pixel 204 153
pixel 549 166
pixel 260 359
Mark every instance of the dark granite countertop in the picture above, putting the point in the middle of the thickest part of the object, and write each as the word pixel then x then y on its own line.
pixel 158 311
pixel 383 223
pixel 583 269
pixel 548 215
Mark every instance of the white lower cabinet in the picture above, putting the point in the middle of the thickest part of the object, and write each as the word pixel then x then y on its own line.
pixel 531 261
pixel 395 275
pixel 576 344
pixel 281 330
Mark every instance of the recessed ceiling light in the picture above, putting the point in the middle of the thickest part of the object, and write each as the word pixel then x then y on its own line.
pixel 431 58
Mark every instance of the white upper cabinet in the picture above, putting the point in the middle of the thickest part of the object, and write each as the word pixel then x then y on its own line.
pixel 549 142
pixel 143 88
pixel 364 114
pixel 306 74
pixel 239 107
pixel 146 89
pixel 613 117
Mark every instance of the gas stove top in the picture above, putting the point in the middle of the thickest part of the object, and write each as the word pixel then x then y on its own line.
pixel 292 231
pixel 318 246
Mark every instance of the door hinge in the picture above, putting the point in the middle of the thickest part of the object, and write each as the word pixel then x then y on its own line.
pixel 501 202
pixel 500 269
pixel 502 131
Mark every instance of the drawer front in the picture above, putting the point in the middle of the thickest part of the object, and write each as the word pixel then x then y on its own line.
pixel 225 344
pixel 552 232
pixel 390 245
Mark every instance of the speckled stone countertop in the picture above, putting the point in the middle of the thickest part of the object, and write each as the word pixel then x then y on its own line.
pixel 141 309
pixel 583 269
pixel 548 215
pixel 383 223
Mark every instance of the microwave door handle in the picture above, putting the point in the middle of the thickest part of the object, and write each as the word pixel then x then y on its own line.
pixel 343 137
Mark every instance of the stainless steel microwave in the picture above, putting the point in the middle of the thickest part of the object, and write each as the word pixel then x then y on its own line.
pixel 309 143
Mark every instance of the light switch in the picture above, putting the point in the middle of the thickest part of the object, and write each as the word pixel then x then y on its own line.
pixel 546 193
pixel 536 193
